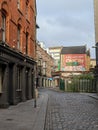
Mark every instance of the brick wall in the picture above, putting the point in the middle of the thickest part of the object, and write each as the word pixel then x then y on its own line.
pixel 15 16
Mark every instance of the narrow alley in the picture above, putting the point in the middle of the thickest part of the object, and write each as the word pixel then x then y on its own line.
pixel 71 111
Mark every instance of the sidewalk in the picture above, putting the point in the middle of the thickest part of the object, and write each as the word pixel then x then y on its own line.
pixel 24 116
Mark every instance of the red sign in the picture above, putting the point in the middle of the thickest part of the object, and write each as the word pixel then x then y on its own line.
pixel 73 62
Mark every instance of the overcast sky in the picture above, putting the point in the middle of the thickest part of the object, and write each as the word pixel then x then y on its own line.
pixel 66 23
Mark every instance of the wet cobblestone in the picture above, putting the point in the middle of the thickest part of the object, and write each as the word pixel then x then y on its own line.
pixel 71 111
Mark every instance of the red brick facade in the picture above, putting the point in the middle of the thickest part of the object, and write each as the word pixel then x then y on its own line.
pixel 17 51
pixel 17 15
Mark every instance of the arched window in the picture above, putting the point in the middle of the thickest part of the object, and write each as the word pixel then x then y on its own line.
pixel 4 21
pixel 27 9
pixel 3 27
pixel 18 4
pixel 18 37
pixel 27 42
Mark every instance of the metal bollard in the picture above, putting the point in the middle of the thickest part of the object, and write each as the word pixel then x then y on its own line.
pixel 35 103
pixel 35 98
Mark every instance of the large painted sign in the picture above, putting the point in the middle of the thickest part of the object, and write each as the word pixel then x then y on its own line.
pixel 73 62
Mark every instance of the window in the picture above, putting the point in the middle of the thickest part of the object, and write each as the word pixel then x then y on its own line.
pixel 18 4
pixel 26 11
pixel 1 79
pixel 19 78
pixel 3 27
pixel 26 43
pixel 18 38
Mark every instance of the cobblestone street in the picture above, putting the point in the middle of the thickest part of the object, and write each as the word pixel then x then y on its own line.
pixel 71 111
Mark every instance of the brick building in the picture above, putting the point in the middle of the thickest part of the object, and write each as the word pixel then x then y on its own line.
pixel 17 50
pixel 45 64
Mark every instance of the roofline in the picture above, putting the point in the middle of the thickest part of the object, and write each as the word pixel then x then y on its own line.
pixel 55 47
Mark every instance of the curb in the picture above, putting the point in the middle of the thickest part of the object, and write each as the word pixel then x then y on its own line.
pixel 40 119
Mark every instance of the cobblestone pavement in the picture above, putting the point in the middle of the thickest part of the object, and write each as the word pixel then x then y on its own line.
pixel 71 111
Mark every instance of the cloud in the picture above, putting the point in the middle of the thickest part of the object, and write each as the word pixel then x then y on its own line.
pixel 66 22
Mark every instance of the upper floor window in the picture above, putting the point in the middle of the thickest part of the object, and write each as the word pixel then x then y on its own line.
pixel 26 43
pixel 18 37
pixel 3 27
pixel 26 11
pixel 18 4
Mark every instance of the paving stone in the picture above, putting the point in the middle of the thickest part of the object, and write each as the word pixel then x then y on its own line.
pixel 71 111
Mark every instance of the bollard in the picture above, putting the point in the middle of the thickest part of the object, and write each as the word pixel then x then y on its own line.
pixel 35 103
pixel 35 98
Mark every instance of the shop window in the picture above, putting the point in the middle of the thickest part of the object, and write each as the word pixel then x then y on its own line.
pixel 19 75
pixel 1 79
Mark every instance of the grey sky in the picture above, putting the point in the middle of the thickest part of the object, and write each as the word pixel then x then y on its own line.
pixel 66 22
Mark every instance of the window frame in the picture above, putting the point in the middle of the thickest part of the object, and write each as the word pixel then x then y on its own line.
pixel 19 78
pixel 18 37
pixel 27 9
pixel 27 38
pixel 18 4
pixel 1 79
pixel 3 27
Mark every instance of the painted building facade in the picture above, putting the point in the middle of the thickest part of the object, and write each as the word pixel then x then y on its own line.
pixel 17 50
pixel 74 59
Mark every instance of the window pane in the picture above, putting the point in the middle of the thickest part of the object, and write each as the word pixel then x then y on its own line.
pixel 18 38
pixel 3 27
pixel 18 4
pixel 1 79
pixel 19 78
pixel 26 43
